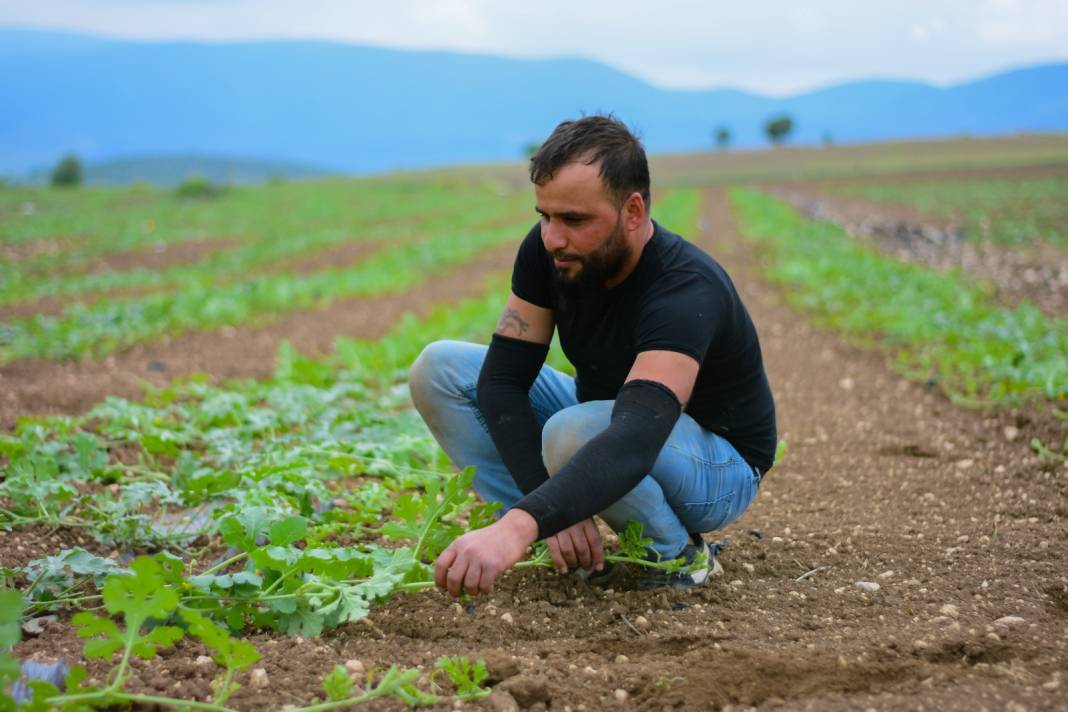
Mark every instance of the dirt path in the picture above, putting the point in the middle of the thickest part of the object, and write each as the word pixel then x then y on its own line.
pixel 42 386
pixel 962 530
pixel 1035 273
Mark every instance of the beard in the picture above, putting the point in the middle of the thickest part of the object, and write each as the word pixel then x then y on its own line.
pixel 596 268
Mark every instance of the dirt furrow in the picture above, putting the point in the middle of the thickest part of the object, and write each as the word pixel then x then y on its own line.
pixel 1035 273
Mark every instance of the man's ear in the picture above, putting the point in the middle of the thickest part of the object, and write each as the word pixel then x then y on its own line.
pixel 635 211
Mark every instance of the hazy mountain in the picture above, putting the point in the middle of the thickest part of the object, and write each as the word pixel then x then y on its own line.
pixel 173 169
pixel 356 108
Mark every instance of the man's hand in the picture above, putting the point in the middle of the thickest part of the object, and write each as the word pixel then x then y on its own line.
pixel 577 546
pixel 476 559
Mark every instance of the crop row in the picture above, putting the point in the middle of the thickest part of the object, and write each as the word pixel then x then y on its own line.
pixel 936 326
pixel 282 229
pixel 1011 212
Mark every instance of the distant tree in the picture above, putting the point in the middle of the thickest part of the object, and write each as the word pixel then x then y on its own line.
pixel 723 137
pixel 68 172
pixel 531 148
pixel 197 186
pixel 778 128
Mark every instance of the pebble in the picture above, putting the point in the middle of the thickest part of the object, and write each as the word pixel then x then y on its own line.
pixel 354 667
pixel 949 610
pixel 1010 621
pixel 737 583
pixel 641 622
pixel 621 695
pixel 867 586
pixel 886 574
pixel 622 659
pixel 203 660
pixel 258 678
pixel 1011 432
pixel 749 568
pixel 507 618
pixel 589 670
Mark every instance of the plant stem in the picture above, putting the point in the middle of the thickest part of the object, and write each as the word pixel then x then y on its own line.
pixel 222 565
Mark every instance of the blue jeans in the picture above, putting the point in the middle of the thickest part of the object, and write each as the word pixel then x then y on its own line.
pixel 699 483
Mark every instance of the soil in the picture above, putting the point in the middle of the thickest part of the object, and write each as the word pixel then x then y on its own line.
pixel 1036 273
pixel 884 482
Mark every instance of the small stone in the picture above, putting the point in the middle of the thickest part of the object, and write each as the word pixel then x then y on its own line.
pixel 501 701
pixel 507 618
pixel 965 464
pixel 641 622
pixel 355 667
pixel 258 678
pixel 949 610
pixel 35 626
pixel 1044 544
pixel 886 574
pixel 749 568
pixel 1011 432
pixel 920 644
pixel 993 637
pixel 203 661
pixel 846 384
pixel 621 695
pixel 737 583
pixel 622 659
pixel 1008 621
pixel 867 586
pixel 1051 685
pixel 589 670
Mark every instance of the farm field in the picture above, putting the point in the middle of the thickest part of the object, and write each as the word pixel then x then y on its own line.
pixel 215 492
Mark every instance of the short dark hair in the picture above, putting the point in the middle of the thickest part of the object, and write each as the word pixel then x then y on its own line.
pixel 624 168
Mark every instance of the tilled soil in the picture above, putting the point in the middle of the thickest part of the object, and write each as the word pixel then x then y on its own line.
pixel 957 532
pixel 1036 273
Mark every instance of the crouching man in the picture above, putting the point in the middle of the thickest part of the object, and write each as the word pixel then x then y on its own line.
pixel 669 421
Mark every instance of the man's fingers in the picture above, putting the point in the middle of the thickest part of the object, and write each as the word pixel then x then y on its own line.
pixel 441 567
pixel 596 545
pixel 553 543
pixel 473 578
pixel 582 548
pixel 485 584
pixel 455 579
pixel 567 550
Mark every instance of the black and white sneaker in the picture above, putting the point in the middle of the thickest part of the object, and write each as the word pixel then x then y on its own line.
pixel 652 578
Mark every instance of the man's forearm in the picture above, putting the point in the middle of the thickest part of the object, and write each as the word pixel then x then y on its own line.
pixel 503 391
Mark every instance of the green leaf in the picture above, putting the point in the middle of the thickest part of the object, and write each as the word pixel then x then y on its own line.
pixel 466 676
pixel 141 596
pixel 337 684
pixel 288 531
pixel 10 613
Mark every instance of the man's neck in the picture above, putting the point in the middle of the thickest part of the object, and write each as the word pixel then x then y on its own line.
pixel 639 239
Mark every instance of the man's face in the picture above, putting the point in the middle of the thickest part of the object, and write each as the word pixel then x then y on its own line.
pixel 581 227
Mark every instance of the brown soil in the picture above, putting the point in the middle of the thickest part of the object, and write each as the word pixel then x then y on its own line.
pixel 1037 273
pixel 884 482
pixel 41 386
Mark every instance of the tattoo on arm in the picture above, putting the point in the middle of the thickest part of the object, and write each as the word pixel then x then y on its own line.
pixel 511 320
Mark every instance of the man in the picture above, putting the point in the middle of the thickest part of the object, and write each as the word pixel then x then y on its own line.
pixel 670 420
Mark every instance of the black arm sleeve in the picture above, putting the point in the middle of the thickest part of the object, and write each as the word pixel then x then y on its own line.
pixel 611 464
pixel 503 390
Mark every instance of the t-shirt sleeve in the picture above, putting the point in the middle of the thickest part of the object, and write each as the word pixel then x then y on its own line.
pixel 685 314
pixel 531 280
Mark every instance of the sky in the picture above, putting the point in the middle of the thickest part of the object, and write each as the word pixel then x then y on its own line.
pixel 775 47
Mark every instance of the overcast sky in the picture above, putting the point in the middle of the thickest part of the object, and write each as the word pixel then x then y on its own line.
pixel 771 46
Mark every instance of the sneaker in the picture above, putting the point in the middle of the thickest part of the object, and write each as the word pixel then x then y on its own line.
pixel 653 578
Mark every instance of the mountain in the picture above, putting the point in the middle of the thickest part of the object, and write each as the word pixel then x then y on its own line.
pixel 352 108
pixel 169 170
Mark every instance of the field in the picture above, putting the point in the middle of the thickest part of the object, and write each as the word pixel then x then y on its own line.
pixel 216 494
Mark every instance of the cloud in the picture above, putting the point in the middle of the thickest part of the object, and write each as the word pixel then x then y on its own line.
pixel 772 47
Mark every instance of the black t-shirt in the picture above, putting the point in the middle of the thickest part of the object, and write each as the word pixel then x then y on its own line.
pixel 680 299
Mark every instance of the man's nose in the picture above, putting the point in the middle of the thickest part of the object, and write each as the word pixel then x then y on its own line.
pixel 553 237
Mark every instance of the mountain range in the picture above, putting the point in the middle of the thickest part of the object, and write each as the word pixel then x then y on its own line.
pixel 355 109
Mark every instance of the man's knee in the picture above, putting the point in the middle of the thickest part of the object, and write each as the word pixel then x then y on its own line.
pixel 571 428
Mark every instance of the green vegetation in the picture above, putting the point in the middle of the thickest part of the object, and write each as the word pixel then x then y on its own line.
pixel 936 326
pixel 1011 212
pixel 778 128
pixel 197 186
